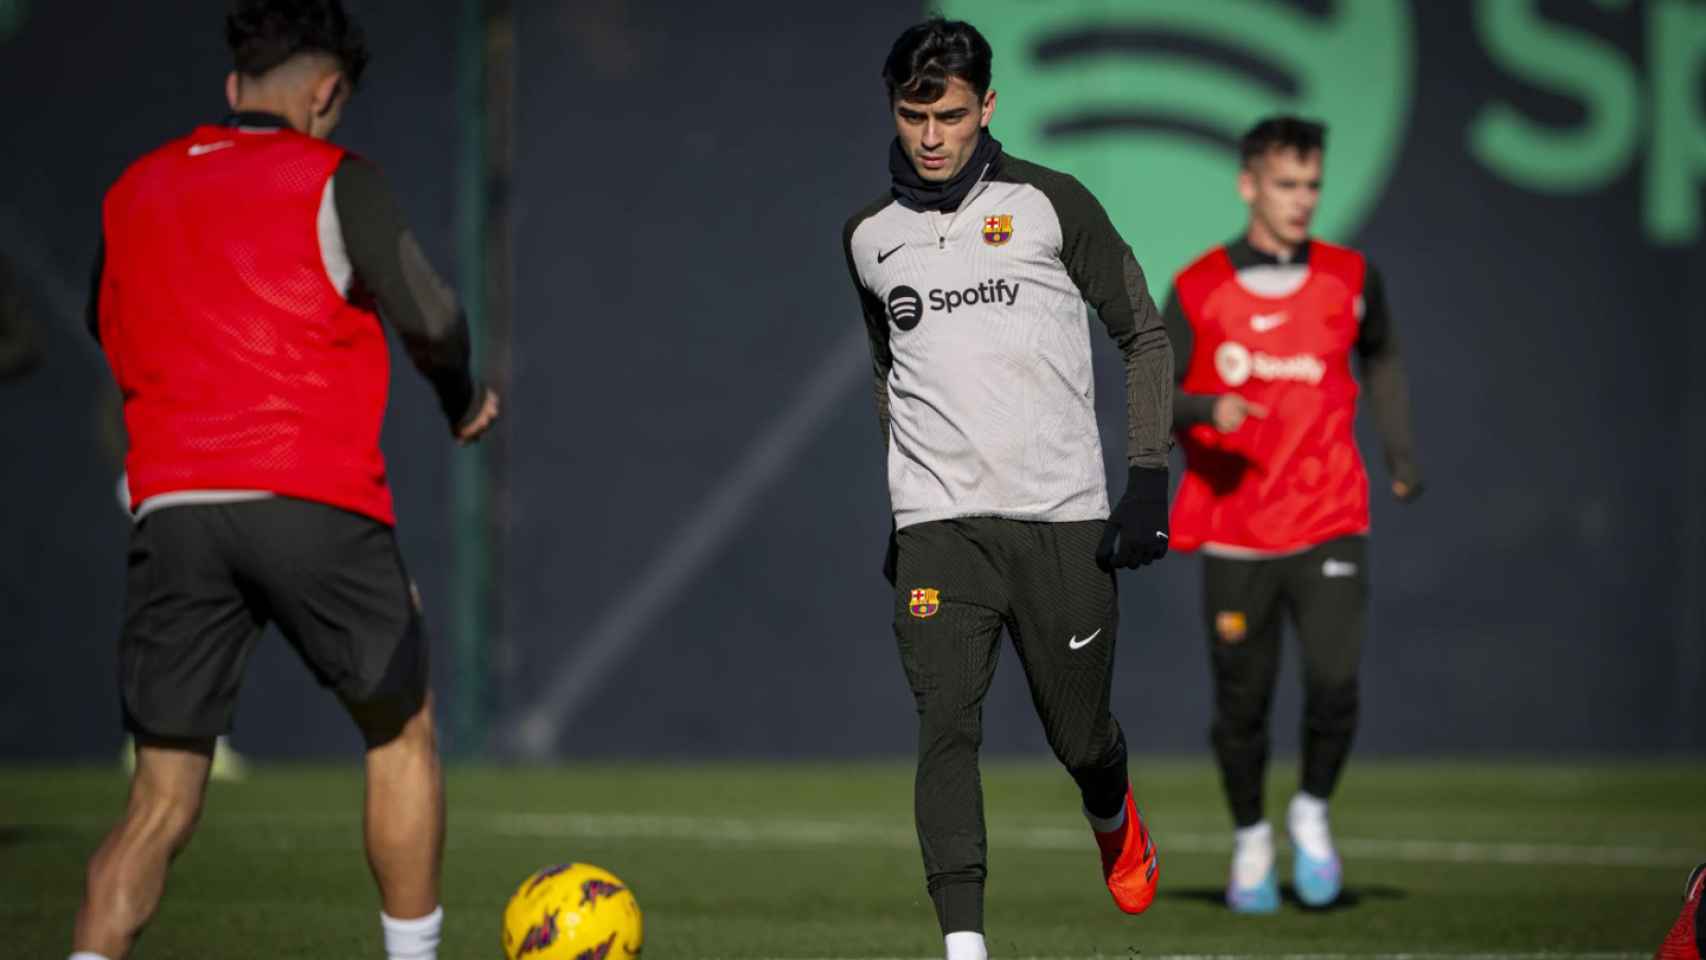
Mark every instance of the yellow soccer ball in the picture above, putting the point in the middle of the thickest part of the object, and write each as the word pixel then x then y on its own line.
pixel 573 911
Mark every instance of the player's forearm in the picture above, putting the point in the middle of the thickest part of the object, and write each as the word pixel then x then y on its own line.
pixel 1389 401
pixel 1190 409
pixel 1138 329
pixel 1149 398
pixel 433 328
pixel 411 296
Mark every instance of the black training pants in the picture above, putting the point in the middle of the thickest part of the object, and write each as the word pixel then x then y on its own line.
pixel 958 583
pixel 1324 592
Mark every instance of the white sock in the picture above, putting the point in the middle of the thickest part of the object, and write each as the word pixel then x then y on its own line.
pixel 415 939
pixel 1307 821
pixel 966 945
pixel 1252 854
pixel 87 955
pixel 1106 824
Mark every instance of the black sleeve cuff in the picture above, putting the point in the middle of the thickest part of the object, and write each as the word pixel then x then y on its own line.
pixel 462 402
pixel 1146 484
pixel 1190 409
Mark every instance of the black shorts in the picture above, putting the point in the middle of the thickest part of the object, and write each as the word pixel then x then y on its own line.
pixel 1324 590
pixel 204 580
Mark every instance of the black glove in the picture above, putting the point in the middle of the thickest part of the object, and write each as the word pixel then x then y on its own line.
pixel 1137 532
pixel 890 558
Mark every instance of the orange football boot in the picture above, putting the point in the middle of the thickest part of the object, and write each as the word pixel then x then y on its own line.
pixel 1684 942
pixel 1129 863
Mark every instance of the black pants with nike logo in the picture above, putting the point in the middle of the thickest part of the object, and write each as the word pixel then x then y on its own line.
pixel 958 583
pixel 1324 592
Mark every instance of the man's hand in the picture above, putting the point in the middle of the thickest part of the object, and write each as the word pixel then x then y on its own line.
pixel 1406 492
pixel 472 429
pixel 1136 534
pixel 1230 409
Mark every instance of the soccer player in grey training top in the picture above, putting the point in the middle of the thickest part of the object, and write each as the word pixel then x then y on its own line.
pixel 973 272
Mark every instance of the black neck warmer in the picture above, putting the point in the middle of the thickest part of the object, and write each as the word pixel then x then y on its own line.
pixel 915 193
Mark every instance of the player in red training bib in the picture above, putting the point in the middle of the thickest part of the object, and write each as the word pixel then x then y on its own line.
pixel 245 276
pixel 1274 495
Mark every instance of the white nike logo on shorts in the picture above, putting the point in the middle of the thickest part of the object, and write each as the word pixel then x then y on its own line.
pixel 1334 569
pixel 1076 643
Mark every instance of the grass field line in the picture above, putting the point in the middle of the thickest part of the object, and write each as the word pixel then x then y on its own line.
pixel 785 831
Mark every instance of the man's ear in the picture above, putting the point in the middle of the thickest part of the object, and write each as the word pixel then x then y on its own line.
pixel 988 108
pixel 327 92
pixel 1247 184
pixel 233 89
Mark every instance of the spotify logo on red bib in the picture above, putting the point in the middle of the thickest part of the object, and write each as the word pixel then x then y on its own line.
pixel 1237 364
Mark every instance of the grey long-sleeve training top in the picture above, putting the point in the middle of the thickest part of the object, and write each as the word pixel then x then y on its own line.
pixel 980 345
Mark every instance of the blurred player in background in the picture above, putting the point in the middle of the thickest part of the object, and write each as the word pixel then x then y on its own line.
pixel 239 289
pixel 1275 494
pixel 973 272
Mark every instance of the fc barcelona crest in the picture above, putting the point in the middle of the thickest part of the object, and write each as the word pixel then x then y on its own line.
pixel 998 229
pixel 925 603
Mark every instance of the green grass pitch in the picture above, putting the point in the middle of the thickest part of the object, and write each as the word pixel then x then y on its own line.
pixel 820 861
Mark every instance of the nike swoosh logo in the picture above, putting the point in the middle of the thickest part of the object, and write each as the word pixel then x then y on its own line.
pixel 202 148
pixel 1338 568
pixel 1076 643
pixel 884 256
pixel 1263 322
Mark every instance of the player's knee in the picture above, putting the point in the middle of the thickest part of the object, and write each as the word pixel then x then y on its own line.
pixel 941 729
pixel 402 721
pixel 1240 732
pixel 1332 706
pixel 1241 716
pixel 1082 755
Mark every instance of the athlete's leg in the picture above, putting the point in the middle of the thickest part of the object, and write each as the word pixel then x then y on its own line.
pixel 1329 594
pixel 1241 610
pixel 403 822
pixel 948 632
pixel 337 588
pixel 187 635
pixel 1065 624
pixel 1329 591
pixel 127 875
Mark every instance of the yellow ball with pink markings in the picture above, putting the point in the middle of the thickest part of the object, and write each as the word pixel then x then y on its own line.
pixel 572 911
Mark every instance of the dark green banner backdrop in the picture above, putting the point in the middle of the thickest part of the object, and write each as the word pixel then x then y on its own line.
pixel 692 509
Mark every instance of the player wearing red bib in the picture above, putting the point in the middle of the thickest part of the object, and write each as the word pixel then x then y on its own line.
pixel 1275 495
pixel 244 279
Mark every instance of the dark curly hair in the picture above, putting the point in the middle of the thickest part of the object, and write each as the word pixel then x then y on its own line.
pixel 263 34
pixel 1281 133
pixel 927 55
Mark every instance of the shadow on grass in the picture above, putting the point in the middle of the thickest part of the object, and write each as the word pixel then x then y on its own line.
pixel 1350 899
pixel 13 835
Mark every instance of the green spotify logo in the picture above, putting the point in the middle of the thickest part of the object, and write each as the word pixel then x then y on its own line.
pixel 1656 114
pixel 1144 102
